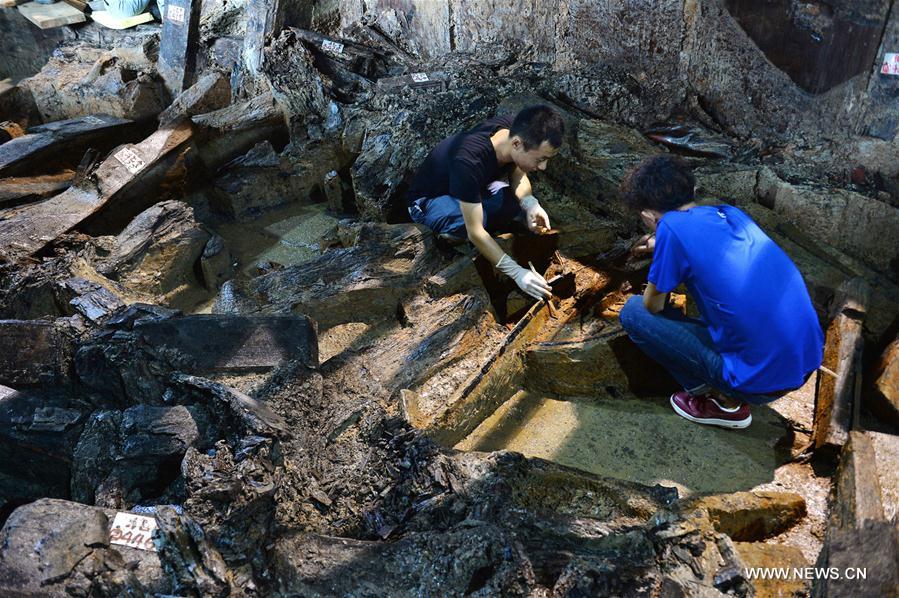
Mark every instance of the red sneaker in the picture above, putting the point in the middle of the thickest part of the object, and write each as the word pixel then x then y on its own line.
pixel 704 409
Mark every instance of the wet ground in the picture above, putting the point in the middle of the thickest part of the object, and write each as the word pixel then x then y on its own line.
pixel 641 439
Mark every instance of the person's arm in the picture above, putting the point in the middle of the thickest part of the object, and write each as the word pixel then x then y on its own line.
pixel 530 282
pixel 653 300
pixel 473 214
pixel 520 183
pixel 537 218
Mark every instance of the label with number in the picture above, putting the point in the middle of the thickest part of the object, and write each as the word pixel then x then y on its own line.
pixel 130 160
pixel 174 13
pixel 135 531
pixel 332 46
pixel 420 77
pixel 890 64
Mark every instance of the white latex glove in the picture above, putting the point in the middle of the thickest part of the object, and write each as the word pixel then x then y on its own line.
pixel 536 216
pixel 529 282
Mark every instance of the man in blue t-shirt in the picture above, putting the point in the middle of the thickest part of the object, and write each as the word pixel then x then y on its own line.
pixel 759 336
pixel 476 183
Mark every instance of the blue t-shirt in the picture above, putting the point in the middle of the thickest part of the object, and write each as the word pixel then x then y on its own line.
pixel 749 293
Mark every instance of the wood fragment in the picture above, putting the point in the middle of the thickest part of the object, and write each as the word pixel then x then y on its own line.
pixel 842 355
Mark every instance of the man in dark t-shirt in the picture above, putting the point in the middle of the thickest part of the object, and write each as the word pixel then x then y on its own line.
pixel 476 183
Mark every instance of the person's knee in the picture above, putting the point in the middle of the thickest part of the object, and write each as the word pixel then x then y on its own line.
pixel 632 310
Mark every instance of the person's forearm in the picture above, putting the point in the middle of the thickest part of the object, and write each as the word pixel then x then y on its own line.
pixel 653 300
pixel 486 245
pixel 521 185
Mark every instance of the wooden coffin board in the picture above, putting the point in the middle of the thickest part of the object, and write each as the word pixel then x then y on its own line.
pixel 48 16
pixel 226 343
pixel 28 229
pixel 22 189
pixel 31 152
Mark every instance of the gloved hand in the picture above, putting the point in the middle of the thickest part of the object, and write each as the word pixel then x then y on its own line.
pixel 529 282
pixel 536 216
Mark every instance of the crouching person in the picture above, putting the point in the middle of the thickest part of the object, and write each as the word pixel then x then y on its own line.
pixel 475 184
pixel 758 337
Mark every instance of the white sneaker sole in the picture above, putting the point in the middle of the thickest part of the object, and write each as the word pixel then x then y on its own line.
pixel 723 423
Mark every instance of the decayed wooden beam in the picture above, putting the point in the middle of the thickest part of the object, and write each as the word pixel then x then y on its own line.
pixel 861 527
pixel 33 352
pixel 178 48
pixel 226 343
pixel 25 189
pixel 836 387
pixel 264 18
pixel 131 171
pixel 30 154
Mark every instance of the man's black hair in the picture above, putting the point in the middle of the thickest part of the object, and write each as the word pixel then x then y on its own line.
pixel 536 124
pixel 662 183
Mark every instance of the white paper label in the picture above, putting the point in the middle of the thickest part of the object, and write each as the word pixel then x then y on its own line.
pixel 175 13
pixel 890 64
pixel 133 530
pixel 420 77
pixel 130 160
pixel 93 120
pixel 332 46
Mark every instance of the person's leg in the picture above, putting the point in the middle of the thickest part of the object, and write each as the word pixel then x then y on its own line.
pixel 680 344
pixel 441 214
pixel 501 208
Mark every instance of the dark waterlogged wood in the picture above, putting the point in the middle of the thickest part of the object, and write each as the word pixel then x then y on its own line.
pixel 30 154
pixel 34 352
pixel 178 48
pixel 131 170
pixel 24 189
pixel 264 18
pixel 224 343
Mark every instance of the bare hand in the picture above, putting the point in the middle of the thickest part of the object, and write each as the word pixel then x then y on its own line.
pixel 645 245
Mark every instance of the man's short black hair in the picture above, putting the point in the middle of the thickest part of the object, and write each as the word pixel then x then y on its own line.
pixel 662 183
pixel 536 124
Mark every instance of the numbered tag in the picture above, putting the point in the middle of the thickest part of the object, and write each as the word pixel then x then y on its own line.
pixel 175 14
pixel 420 77
pixel 130 160
pixel 134 531
pixel 332 46
pixel 890 64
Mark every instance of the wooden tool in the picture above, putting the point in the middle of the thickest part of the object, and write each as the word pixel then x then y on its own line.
pixel 549 302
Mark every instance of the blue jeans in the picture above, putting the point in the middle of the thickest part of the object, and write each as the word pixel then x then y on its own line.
pixel 444 216
pixel 684 347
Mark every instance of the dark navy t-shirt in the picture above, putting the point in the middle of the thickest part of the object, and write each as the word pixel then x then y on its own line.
pixel 462 165
pixel 750 294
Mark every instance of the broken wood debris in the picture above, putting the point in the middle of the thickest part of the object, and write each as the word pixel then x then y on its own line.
pixel 131 171
pixel 30 154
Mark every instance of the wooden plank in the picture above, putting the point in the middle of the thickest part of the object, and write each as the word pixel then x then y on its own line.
pixel 48 16
pixel 179 44
pixel 25 189
pixel 53 142
pixel 34 352
pixel 112 22
pixel 131 170
pixel 264 18
pixel 836 387
pixel 78 4
pixel 226 343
